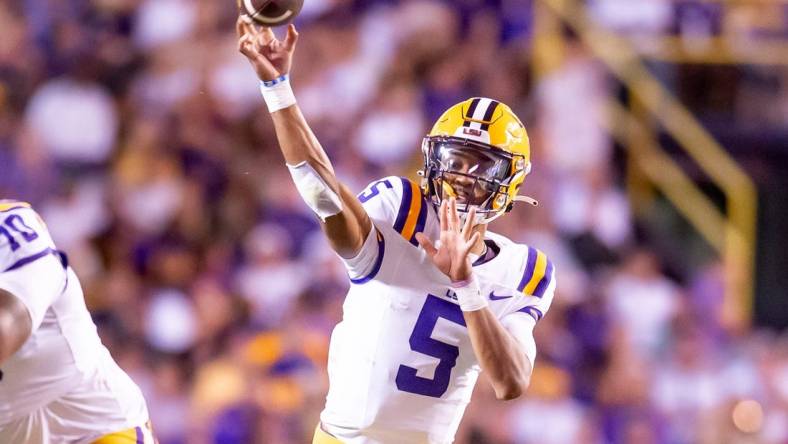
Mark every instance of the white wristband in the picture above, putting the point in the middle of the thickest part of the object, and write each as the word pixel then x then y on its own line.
pixel 469 295
pixel 277 93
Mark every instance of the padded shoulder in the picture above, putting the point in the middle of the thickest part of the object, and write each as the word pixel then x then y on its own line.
pixel 7 205
pixel 23 235
pixel 538 273
pixel 396 202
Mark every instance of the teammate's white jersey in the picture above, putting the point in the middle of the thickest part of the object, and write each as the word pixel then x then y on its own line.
pixel 401 364
pixel 62 385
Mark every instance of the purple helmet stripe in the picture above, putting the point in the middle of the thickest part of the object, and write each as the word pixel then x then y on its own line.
pixel 471 110
pixel 489 114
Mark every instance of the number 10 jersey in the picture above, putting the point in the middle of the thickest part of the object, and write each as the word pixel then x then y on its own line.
pixel 401 365
pixel 62 385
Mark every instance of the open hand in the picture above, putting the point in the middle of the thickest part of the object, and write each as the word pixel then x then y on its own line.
pixel 269 56
pixel 456 241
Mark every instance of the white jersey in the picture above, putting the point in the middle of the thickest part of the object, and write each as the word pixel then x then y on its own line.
pixel 62 385
pixel 401 365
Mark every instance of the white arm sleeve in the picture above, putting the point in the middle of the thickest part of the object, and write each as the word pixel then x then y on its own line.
pixel 37 284
pixel 315 191
pixel 521 326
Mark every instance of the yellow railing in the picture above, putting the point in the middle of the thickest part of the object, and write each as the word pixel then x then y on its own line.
pixel 745 35
pixel 711 50
pixel 731 234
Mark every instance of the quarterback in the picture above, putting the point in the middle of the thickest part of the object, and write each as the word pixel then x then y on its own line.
pixel 58 383
pixel 435 297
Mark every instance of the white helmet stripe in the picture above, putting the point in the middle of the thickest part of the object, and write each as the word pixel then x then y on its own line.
pixel 478 113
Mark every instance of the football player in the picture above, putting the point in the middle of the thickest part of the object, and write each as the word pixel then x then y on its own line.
pixel 435 297
pixel 58 383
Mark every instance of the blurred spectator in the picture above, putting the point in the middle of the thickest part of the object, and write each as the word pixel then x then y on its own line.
pixel 571 115
pixel 633 16
pixel 549 415
pixel 168 403
pixel 270 281
pixel 687 386
pixel 163 21
pixel 389 134
pixel 171 324
pixel 590 204
pixel 74 118
pixel 642 302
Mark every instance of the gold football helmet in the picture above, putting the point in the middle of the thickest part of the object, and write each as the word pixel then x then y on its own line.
pixel 477 152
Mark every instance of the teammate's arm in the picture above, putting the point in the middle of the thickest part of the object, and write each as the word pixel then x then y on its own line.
pixel 500 355
pixel 15 325
pixel 344 220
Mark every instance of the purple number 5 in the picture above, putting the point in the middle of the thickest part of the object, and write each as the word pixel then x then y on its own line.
pixel 421 341
pixel 373 190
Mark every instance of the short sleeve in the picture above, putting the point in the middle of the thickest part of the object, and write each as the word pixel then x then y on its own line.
pixel 365 265
pixel 522 328
pixel 37 284
pixel 30 266
pixel 537 284
pixel 23 235
pixel 392 203
pixel 397 203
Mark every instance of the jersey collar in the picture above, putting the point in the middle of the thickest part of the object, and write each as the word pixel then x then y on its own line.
pixel 490 253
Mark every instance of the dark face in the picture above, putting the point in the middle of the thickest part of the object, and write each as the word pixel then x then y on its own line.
pixel 469 175
pixel 464 189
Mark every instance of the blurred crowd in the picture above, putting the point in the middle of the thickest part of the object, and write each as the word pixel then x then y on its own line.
pixel 137 131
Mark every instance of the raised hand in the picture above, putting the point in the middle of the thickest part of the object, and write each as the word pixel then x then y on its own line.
pixel 269 56
pixel 456 241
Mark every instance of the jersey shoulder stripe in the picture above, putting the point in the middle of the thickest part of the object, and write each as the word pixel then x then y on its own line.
pixel 537 274
pixel 34 257
pixel 412 214
pixel 24 237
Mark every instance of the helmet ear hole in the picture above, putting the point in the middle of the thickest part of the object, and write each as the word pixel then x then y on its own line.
pixel 500 200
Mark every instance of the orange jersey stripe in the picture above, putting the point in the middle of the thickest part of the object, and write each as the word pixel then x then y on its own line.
pixel 413 212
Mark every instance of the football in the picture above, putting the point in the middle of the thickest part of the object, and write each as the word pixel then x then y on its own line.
pixel 269 12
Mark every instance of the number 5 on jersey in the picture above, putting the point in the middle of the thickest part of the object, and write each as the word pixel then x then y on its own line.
pixel 373 190
pixel 421 341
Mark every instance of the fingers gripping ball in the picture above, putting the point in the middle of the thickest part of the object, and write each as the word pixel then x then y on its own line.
pixel 269 12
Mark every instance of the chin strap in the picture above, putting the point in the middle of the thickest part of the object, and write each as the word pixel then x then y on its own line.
pixel 481 219
pixel 526 199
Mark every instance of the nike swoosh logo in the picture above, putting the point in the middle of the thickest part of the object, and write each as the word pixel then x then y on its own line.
pixel 494 297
